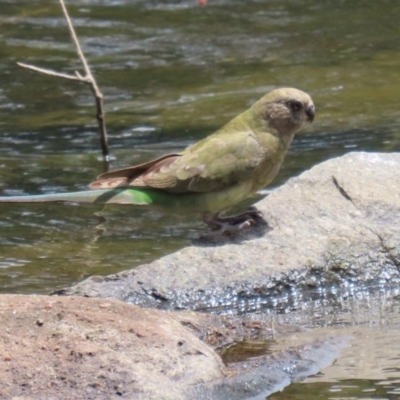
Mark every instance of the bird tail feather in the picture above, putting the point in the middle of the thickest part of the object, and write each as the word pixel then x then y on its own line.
pixel 115 196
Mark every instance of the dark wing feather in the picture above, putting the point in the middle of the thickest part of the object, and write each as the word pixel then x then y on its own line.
pixel 124 177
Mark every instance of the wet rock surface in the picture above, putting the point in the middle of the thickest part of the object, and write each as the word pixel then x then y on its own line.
pixel 334 226
pixel 79 348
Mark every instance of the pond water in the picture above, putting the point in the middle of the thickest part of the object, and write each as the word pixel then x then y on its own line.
pixel 171 73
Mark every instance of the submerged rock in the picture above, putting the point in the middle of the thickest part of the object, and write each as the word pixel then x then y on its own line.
pixel 336 225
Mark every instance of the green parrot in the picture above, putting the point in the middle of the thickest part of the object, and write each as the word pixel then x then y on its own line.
pixel 212 175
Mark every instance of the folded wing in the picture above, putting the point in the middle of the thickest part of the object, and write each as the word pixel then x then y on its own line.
pixel 213 164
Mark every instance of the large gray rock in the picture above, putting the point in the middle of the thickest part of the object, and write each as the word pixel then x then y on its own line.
pixel 336 224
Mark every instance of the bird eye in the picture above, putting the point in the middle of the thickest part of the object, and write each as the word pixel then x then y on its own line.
pixel 295 105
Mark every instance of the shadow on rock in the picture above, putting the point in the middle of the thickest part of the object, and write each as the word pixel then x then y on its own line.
pixel 211 239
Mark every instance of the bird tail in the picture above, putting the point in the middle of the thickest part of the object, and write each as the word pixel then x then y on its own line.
pixel 115 196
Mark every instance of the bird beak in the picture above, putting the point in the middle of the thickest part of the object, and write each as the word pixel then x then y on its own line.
pixel 310 112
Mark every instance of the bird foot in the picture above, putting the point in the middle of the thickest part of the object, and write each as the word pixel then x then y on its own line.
pixel 220 225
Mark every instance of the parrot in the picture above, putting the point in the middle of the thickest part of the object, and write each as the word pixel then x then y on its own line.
pixel 212 175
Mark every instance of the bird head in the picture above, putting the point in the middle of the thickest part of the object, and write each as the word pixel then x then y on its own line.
pixel 285 110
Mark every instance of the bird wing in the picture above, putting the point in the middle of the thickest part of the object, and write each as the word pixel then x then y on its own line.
pixel 215 163
pixel 124 177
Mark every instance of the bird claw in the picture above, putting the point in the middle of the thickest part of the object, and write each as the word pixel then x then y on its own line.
pixel 220 225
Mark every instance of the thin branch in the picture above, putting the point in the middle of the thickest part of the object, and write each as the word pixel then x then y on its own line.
pixel 50 72
pixel 75 39
pixel 87 78
pixel 79 51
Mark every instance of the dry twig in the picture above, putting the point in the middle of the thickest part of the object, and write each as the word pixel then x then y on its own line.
pixel 87 78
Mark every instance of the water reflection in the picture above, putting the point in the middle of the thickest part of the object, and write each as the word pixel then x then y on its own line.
pixel 348 389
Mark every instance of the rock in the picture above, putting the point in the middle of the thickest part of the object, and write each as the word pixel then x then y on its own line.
pixel 82 348
pixel 260 377
pixel 97 349
pixel 336 224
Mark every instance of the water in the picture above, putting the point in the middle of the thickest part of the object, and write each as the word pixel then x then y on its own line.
pixel 171 73
pixel 370 367
pixel 365 324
